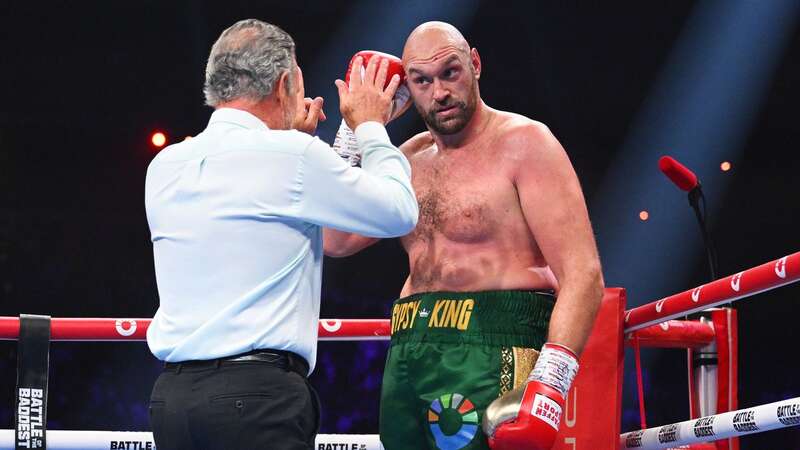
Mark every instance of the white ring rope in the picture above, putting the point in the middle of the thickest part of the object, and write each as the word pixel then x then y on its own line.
pixel 742 422
pixel 140 440
pixel 757 419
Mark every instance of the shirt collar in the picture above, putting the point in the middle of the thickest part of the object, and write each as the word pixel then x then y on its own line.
pixel 237 117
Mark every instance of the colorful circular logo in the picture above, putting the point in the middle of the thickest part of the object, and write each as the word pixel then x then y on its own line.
pixel 453 421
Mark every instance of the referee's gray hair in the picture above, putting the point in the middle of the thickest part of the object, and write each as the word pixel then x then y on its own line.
pixel 246 62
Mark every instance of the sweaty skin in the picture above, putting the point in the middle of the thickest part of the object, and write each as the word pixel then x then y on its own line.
pixel 472 234
pixel 500 204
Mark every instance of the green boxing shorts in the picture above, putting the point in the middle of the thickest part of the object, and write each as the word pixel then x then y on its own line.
pixel 451 354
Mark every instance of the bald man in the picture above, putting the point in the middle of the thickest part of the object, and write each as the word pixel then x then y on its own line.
pixel 503 230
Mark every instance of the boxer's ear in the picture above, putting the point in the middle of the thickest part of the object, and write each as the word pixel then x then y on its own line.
pixel 475 59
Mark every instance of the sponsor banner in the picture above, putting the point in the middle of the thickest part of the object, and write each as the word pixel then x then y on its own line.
pixel 33 362
pixel 711 428
pixel 131 445
pixel 348 442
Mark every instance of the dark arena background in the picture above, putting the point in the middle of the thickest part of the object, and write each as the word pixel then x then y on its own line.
pixel 86 84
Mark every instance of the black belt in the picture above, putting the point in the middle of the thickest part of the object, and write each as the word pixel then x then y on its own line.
pixel 279 358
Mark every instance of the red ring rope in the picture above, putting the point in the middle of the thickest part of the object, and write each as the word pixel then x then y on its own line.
pixel 97 329
pixel 748 282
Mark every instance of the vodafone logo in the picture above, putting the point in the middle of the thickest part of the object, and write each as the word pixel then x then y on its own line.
pixel 664 326
pixel 125 327
pixel 735 280
pixel 331 326
pixel 780 267
pixel 696 294
pixel 660 305
pixel 627 316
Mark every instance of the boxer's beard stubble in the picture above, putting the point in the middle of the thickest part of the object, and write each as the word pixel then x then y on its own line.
pixel 451 125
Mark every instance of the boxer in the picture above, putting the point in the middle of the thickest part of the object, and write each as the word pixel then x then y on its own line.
pixel 478 337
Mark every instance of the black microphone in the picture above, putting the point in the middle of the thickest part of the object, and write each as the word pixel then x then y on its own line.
pixel 686 180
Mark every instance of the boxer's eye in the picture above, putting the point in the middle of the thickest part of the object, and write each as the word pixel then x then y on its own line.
pixel 450 73
pixel 421 80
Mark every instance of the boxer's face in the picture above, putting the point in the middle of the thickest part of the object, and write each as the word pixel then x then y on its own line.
pixel 444 89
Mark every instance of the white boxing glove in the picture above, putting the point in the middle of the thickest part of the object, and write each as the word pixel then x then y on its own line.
pixel 346 145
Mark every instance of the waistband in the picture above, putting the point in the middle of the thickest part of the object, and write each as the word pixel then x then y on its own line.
pixel 511 318
pixel 288 361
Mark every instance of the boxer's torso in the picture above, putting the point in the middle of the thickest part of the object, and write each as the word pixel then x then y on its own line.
pixel 472 234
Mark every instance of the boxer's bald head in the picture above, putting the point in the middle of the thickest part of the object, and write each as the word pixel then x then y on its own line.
pixel 442 75
pixel 430 39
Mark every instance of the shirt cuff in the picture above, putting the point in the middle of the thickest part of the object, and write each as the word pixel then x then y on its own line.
pixel 372 130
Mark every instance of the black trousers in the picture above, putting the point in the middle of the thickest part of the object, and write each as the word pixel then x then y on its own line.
pixel 225 405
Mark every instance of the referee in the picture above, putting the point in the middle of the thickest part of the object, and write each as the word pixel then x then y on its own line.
pixel 236 217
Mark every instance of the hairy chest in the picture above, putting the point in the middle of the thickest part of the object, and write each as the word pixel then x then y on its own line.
pixel 462 201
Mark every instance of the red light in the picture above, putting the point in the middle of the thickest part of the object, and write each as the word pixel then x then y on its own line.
pixel 644 215
pixel 158 139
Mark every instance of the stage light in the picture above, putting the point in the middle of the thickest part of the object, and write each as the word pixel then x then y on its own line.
pixel 725 166
pixel 644 215
pixel 158 139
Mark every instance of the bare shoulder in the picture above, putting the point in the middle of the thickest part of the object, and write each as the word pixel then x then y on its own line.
pixel 530 147
pixel 417 144
pixel 524 134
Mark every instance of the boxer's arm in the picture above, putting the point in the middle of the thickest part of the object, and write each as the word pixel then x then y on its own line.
pixel 555 210
pixel 339 244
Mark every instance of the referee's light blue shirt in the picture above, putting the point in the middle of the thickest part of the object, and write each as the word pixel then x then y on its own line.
pixel 236 217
